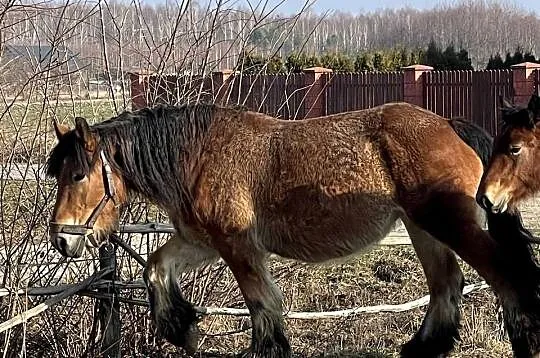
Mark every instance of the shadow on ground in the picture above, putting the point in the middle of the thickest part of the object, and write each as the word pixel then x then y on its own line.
pixel 344 354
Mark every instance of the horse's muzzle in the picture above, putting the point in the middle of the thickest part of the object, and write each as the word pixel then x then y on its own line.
pixel 67 244
pixel 484 202
pixel 69 240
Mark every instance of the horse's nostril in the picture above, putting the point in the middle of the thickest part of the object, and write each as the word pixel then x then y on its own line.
pixel 485 202
pixel 61 244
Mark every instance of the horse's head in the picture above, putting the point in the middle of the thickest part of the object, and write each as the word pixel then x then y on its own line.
pixel 89 190
pixel 513 173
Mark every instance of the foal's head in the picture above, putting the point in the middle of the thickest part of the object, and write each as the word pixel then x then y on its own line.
pixel 89 190
pixel 513 173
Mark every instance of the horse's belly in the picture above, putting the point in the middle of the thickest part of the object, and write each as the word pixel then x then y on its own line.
pixel 313 233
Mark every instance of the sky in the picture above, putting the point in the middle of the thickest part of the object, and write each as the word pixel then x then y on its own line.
pixel 359 6
pixel 362 6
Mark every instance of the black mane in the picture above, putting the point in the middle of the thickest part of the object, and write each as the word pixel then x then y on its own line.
pixel 148 146
pixel 70 146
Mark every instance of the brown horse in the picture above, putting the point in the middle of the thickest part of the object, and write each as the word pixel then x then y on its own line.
pixel 240 185
pixel 514 174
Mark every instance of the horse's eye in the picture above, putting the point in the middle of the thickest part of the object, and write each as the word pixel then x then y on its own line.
pixel 515 150
pixel 78 177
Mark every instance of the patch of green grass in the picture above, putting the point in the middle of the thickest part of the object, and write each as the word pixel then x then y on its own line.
pixel 26 132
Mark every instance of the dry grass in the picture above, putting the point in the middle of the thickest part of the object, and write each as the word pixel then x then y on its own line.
pixel 383 275
pixel 26 132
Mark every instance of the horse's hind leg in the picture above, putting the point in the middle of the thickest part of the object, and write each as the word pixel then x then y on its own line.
pixel 263 298
pixel 440 326
pixel 451 218
pixel 174 317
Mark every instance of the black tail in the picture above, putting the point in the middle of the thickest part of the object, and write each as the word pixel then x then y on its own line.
pixel 475 137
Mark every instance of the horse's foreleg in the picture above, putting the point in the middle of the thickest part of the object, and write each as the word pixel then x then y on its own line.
pixel 439 330
pixel 451 218
pixel 263 298
pixel 174 317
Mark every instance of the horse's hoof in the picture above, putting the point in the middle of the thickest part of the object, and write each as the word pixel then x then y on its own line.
pixel 413 349
pixel 179 332
pixel 192 339
pixel 272 353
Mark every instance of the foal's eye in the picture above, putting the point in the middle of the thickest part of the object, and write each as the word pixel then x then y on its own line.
pixel 515 150
pixel 78 177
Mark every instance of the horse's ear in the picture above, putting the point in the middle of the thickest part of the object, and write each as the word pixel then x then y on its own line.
pixel 504 102
pixel 505 107
pixel 83 132
pixel 534 106
pixel 59 129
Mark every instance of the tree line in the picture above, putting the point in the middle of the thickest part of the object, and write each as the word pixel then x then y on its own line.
pixel 484 28
pixel 194 38
pixel 434 55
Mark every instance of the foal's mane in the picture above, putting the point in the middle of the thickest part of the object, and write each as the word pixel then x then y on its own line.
pixel 516 116
pixel 145 146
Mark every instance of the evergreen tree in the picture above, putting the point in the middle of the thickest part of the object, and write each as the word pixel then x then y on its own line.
pixel 363 63
pixel 464 61
pixel 495 62
pixel 448 59
pixel 298 62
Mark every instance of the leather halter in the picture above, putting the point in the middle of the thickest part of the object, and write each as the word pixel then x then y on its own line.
pixel 87 229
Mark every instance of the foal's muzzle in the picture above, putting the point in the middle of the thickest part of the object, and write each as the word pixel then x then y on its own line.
pixel 484 202
pixel 495 206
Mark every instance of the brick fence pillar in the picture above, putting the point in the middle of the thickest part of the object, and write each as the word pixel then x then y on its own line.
pixel 523 81
pixel 315 80
pixel 139 89
pixel 220 85
pixel 413 84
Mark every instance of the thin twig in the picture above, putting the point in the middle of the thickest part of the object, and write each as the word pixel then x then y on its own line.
pixel 116 240
pixel 42 307
pixel 108 296
pixel 52 290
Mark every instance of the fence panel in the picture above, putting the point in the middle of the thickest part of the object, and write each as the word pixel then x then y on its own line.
pixel 473 95
pixel 177 89
pixel 487 87
pixel 279 95
pixel 352 91
pixel 448 93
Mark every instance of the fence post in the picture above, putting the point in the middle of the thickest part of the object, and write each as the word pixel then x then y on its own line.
pixel 413 84
pixel 139 89
pixel 109 308
pixel 523 81
pixel 220 85
pixel 315 81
